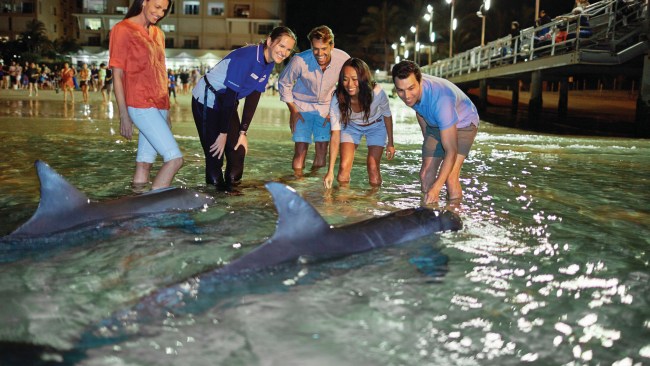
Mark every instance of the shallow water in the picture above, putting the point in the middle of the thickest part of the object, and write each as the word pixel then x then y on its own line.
pixel 550 268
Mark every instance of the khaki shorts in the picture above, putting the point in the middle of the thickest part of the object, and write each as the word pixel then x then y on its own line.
pixel 431 147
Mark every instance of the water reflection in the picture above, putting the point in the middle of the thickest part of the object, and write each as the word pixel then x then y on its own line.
pixel 551 267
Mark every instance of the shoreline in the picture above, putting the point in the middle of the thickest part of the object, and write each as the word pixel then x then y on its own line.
pixel 590 112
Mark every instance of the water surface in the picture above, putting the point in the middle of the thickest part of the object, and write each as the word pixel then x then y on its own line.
pixel 551 267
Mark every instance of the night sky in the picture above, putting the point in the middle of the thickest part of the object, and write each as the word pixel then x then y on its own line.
pixel 343 16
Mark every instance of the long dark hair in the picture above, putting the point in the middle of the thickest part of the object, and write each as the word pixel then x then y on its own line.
pixel 366 87
pixel 136 9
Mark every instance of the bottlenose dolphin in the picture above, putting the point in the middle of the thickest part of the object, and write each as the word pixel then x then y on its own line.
pixel 301 235
pixel 63 207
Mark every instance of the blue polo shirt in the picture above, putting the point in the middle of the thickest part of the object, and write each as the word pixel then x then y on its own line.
pixel 444 105
pixel 243 70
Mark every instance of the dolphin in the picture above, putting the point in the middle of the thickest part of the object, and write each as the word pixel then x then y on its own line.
pixel 301 235
pixel 63 207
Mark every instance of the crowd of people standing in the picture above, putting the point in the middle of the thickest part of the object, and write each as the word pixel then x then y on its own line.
pixel 32 77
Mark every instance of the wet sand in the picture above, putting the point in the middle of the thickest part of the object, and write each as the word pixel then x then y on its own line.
pixel 620 104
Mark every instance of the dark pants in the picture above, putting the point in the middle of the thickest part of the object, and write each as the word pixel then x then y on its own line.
pixel 208 133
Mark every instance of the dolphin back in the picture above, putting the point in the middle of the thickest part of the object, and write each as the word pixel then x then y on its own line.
pixel 296 217
pixel 63 207
pixel 58 197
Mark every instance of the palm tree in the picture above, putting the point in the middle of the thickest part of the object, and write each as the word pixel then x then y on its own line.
pixel 379 26
pixel 34 38
pixel 66 46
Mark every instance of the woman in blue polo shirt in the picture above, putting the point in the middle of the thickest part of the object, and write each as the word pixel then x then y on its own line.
pixel 244 73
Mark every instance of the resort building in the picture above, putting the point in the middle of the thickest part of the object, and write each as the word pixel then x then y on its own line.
pixel 56 15
pixel 197 32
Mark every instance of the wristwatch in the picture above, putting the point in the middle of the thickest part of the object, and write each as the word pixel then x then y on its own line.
pixel 243 133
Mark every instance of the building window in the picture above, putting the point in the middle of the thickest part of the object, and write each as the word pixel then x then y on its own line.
pixel 54 10
pixel 242 10
pixel 112 22
pixel 93 24
pixel 54 28
pixel 94 6
pixel 28 7
pixel 264 28
pixel 216 8
pixel 191 7
pixel 7 7
pixel 169 42
pixel 191 43
pixel 121 10
pixel 168 27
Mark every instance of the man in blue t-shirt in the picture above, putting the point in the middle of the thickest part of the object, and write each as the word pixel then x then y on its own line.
pixel 449 122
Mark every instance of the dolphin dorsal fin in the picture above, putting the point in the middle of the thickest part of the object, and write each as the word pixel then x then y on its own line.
pixel 295 215
pixel 57 195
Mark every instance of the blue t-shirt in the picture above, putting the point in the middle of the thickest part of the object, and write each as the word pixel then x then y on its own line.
pixel 444 105
pixel 243 70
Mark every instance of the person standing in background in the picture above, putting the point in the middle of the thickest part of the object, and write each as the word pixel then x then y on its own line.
pixel 67 84
pixel 84 81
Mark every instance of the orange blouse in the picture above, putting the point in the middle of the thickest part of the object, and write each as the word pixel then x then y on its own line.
pixel 66 77
pixel 141 55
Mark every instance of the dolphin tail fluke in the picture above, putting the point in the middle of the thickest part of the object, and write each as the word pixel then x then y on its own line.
pixel 57 195
pixel 295 215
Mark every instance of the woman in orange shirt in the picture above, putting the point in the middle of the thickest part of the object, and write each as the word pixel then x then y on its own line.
pixel 67 73
pixel 137 58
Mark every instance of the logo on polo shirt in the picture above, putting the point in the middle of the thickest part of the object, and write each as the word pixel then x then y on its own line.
pixel 254 76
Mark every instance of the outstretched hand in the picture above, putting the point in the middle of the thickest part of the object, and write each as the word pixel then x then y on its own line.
pixel 432 195
pixel 293 119
pixel 126 126
pixel 242 141
pixel 328 180
pixel 390 152
pixel 219 146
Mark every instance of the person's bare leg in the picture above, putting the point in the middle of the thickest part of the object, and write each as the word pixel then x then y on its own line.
pixel 299 155
pixel 454 189
pixel 346 152
pixel 429 172
pixel 141 175
pixel 321 154
pixel 166 173
pixel 372 163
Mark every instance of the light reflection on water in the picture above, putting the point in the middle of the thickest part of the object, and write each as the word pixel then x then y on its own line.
pixel 551 267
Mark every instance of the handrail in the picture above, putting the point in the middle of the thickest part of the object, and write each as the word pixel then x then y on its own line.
pixel 605 18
